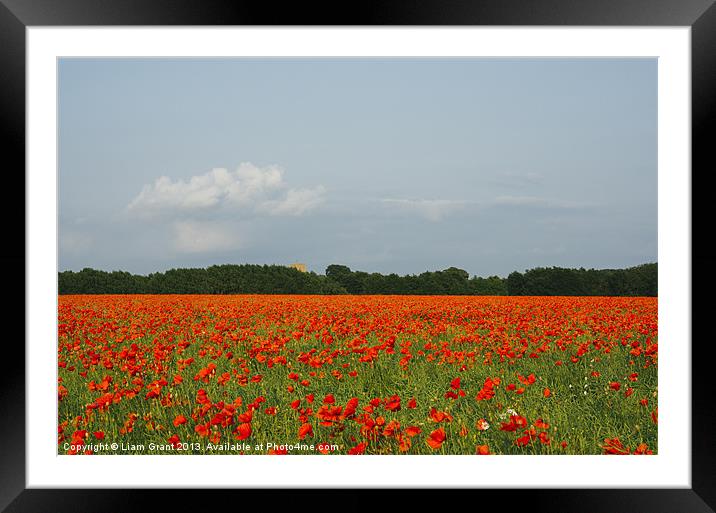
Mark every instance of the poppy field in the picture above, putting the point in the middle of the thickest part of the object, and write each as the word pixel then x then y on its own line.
pixel 296 374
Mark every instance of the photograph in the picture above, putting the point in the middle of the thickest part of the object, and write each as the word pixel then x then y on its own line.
pixel 432 236
pixel 334 256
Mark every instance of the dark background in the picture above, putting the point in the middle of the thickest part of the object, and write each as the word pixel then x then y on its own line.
pixel 15 15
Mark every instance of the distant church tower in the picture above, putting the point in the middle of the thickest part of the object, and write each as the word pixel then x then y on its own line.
pixel 299 267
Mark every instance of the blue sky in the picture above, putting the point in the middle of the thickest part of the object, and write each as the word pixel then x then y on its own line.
pixel 384 165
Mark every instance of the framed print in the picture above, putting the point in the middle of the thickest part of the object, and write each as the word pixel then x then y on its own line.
pixel 268 254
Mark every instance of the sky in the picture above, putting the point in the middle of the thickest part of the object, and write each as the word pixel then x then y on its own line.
pixel 384 165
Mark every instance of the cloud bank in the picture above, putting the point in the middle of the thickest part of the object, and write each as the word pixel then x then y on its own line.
pixel 204 213
pixel 250 188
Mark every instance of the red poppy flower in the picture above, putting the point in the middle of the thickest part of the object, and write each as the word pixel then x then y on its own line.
pixel 643 449
pixel 436 438
pixel 522 441
pixel 614 446
pixel 358 449
pixel 243 431
pixel 440 416
pixel 305 430
pixel 412 431
pixel 393 403
pixel 539 423
pixel 350 408
pixel 202 429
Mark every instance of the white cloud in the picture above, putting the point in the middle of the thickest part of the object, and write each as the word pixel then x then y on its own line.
pixel 201 237
pixel 295 202
pixel 249 187
pixel 432 210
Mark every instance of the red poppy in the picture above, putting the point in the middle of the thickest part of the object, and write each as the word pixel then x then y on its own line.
pixel 179 420
pixel 305 430
pixel 541 424
pixel 436 438
pixel 614 446
pixel 522 441
pixel 393 403
pixel 358 449
pixel 642 448
pixel 351 407
pixel 243 431
pixel 412 431
pixel 440 416
pixel 202 429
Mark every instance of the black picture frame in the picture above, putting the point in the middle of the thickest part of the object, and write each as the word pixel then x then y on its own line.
pixel 16 15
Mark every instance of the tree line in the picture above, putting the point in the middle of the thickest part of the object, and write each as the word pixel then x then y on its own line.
pixel 340 279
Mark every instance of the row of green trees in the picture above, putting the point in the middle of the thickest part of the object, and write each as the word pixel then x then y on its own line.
pixel 217 279
pixel 340 279
pixel 451 281
pixel 641 280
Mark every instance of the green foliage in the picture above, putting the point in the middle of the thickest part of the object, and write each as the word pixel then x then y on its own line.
pixel 217 279
pixel 641 280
